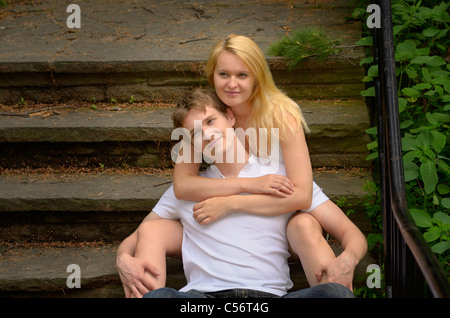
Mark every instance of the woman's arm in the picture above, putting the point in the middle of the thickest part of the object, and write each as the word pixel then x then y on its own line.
pixel 298 166
pixel 213 209
pixel 354 244
pixel 188 185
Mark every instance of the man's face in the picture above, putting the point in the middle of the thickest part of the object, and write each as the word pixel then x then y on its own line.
pixel 209 129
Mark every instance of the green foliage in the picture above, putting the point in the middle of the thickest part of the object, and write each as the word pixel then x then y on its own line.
pixel 301 44
pixel 421 39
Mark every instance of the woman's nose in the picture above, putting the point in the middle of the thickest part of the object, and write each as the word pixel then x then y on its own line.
pixel 232 82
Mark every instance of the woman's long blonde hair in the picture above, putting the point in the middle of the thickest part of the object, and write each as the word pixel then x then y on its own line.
pixel 270 106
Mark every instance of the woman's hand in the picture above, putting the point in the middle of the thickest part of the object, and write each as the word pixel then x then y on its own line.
pixel 274 184
pixel 211 210
pixel 338 270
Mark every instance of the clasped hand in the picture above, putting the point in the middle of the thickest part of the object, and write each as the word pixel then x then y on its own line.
pixel 212 209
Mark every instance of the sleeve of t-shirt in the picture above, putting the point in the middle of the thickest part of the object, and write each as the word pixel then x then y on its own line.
pixel 167 206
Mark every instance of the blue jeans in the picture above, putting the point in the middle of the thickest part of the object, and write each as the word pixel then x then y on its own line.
pixel 328 290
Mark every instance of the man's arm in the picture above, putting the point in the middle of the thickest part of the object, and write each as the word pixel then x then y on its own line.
pixel 132 270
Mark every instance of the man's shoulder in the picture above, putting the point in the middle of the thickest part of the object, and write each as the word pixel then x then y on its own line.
pixel 260 166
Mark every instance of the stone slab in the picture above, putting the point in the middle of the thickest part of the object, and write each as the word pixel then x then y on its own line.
pixel 45 270
pixel 327 118
pixel 114 193
pixel 35 36
pixel 139 48
pixel 90 192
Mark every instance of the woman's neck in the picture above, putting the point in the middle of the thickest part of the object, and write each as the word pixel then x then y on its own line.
pixel 239 160
pixel 241 114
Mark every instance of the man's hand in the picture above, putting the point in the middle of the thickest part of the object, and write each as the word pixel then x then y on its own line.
pixel 211 210
pixel 338 270
pixel 132 274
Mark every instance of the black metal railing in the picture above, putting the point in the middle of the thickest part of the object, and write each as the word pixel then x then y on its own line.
pixel 411 267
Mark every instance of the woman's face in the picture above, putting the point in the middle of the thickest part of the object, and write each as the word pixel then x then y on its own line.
pixel 233 81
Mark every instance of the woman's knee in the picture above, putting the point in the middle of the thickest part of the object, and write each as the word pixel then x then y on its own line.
pixel 303 223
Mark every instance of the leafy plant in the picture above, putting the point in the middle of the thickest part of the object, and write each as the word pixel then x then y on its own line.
pixel 301 44
pixel 423 77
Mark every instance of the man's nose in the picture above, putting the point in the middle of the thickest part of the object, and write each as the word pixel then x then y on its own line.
pixel 207 133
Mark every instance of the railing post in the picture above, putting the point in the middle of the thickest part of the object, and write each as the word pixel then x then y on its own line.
pixel 408 258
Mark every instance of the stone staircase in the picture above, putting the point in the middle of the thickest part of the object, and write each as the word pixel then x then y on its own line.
pixel 75 180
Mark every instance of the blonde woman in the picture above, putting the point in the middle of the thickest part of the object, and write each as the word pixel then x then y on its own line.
pixel 240 75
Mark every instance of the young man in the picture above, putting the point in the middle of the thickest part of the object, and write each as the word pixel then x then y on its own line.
pixel 236 252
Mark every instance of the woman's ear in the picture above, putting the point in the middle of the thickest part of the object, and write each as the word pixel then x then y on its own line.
pixel 231 116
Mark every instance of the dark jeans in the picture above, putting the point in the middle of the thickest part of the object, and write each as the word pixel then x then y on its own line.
pixel 329 290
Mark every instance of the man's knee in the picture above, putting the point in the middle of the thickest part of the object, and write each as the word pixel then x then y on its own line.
pixel 327 290
pixel 335 290
pixel 165 292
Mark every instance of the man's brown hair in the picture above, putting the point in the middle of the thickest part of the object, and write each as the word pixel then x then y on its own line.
pixel 196 99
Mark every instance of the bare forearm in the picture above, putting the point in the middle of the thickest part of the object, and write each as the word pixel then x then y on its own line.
pixel 198 188
pixel 128 246
pixel 268 205
pixel 354 244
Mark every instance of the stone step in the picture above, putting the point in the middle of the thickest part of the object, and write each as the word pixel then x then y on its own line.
pixel 139 51
pixel 143 136
pixel 108 207
pixel 43 271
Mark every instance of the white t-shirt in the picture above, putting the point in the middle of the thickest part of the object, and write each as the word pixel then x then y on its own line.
pixel 238 251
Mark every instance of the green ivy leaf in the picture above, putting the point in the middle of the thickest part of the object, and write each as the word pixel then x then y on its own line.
pixel 367 41
pixel 422 86
pixel 424 139
pixel 421 218
pixel 441 247
pixel 430 32
pixel 441 218
pixel 421 59
pixel 439 141
pixel 429 176
pixel 411 170
pixel 370 92
pixel 446 203
pixel 405 50
pixel 432 234
pixel 411 92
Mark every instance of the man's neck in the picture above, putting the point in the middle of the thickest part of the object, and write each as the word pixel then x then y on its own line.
pixel 231 168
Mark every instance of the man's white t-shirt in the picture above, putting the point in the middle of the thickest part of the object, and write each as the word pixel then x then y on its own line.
pixel 238 251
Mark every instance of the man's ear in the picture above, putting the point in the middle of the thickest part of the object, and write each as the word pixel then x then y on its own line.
pixel 231 116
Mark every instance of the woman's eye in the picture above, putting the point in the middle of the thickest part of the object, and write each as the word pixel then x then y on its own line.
pixel 243 75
